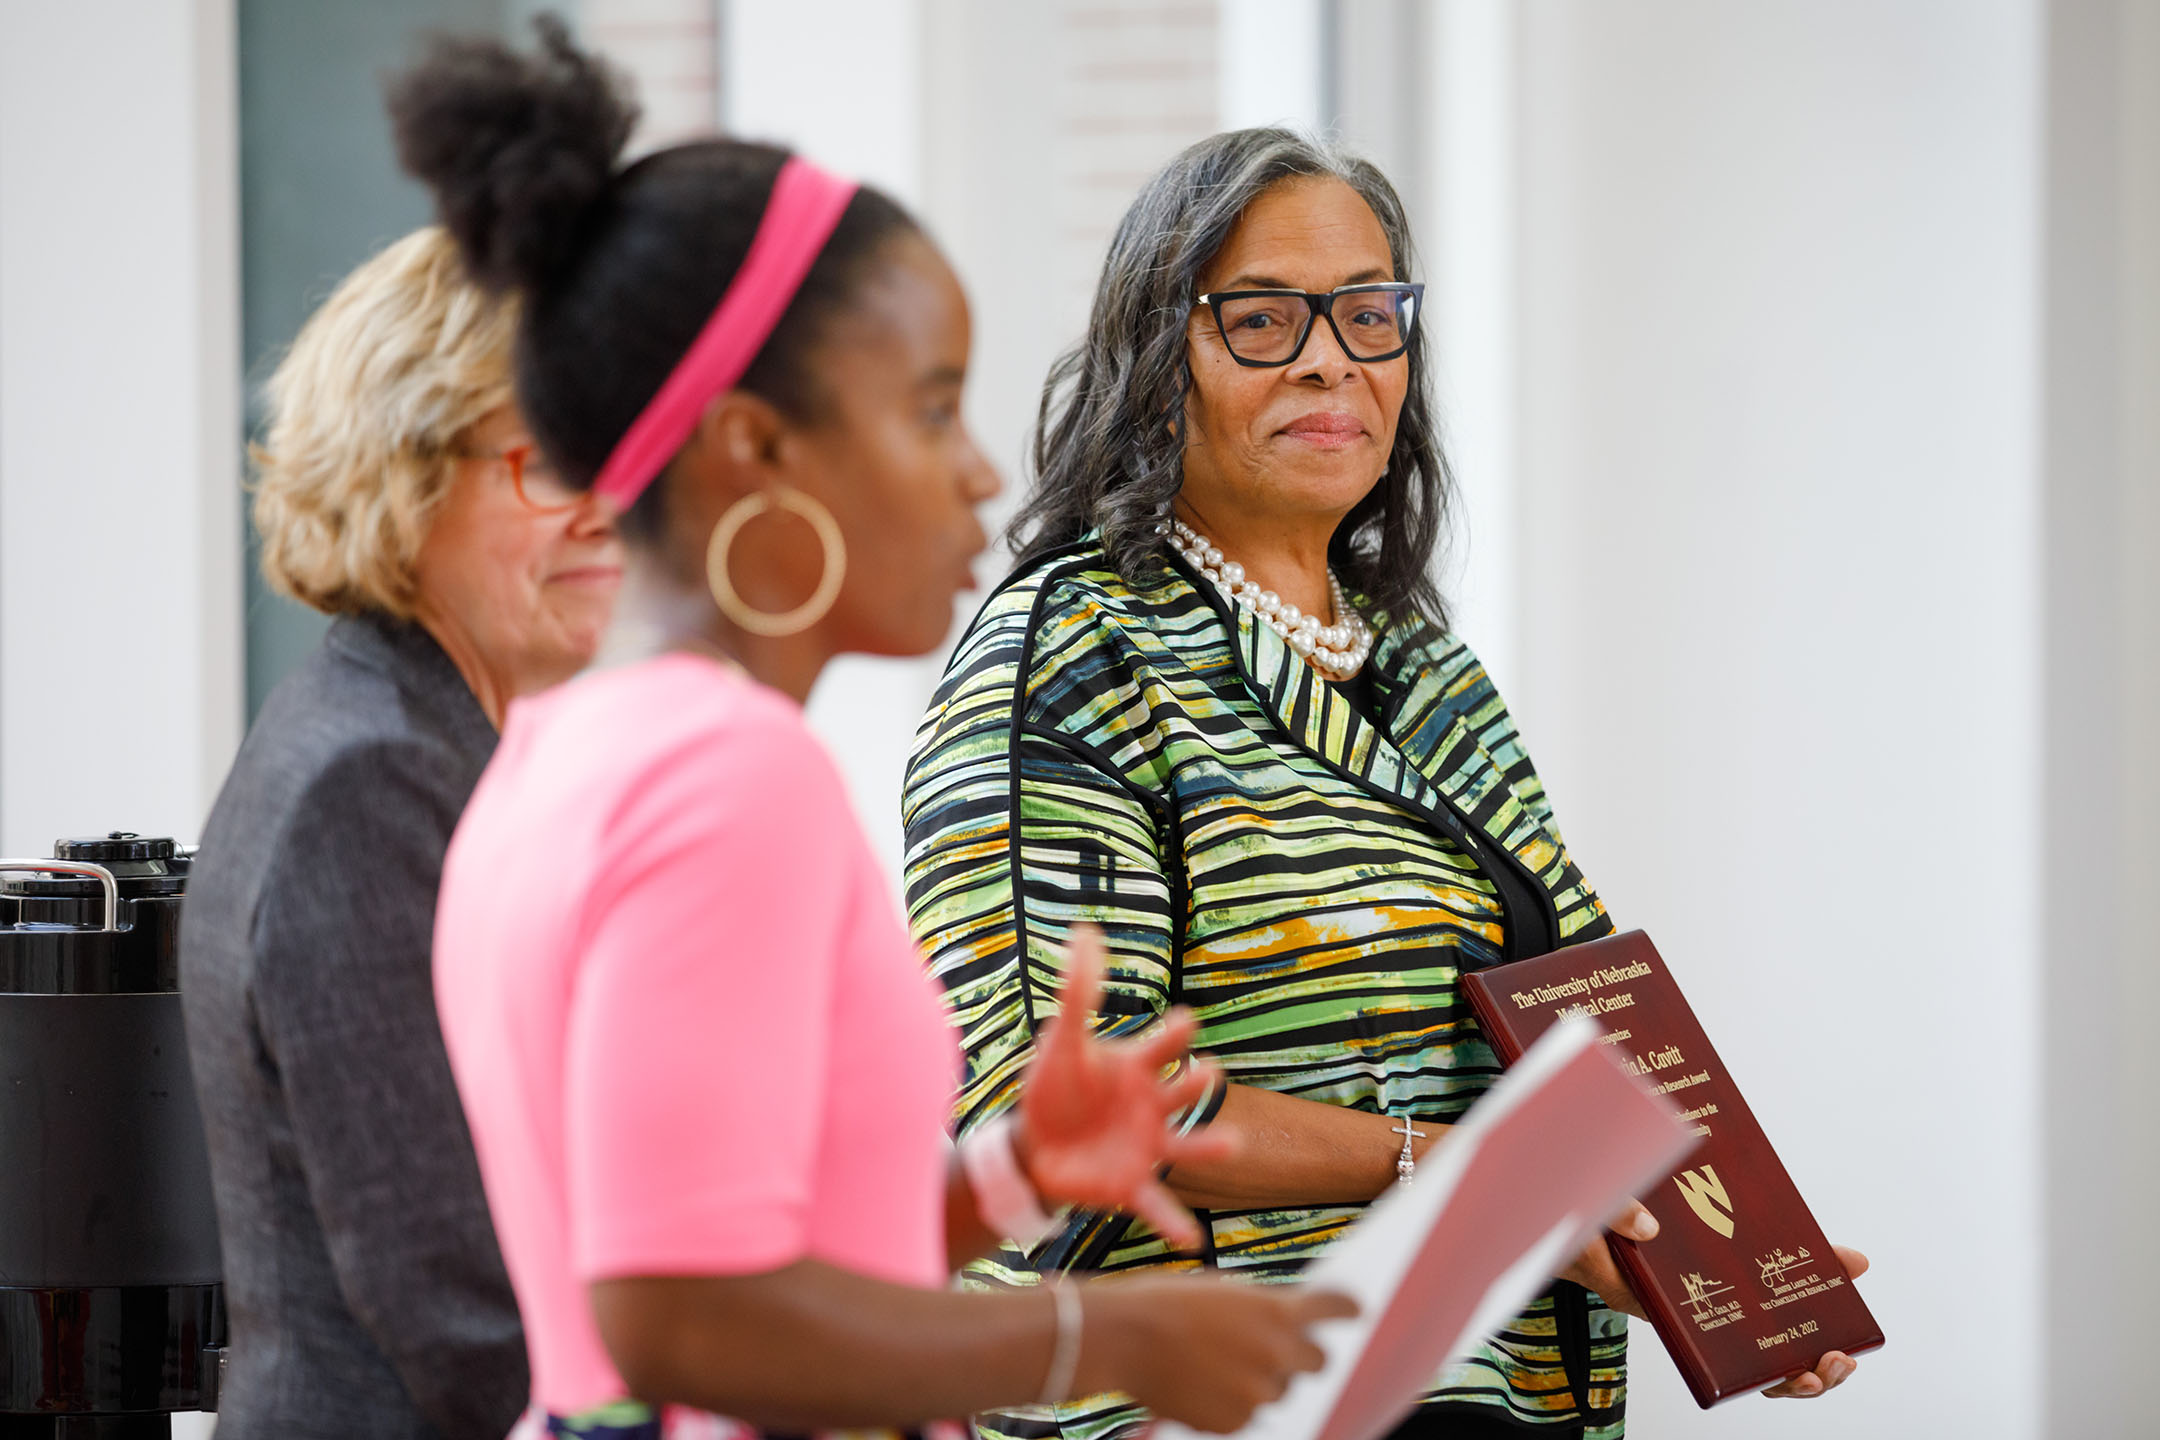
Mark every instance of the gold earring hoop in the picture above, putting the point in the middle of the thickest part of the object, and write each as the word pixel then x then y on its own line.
pixel 730 601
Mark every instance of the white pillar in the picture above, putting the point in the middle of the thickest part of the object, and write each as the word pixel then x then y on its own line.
pixel 120 660
pixel 671 51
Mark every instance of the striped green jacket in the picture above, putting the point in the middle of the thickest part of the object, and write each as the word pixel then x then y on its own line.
pixel 1147 758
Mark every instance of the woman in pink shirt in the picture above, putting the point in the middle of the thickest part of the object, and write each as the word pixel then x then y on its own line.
pixel 707 1077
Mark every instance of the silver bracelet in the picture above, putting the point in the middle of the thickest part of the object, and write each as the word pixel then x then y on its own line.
pixel 1406 1163
pixel 1065 1354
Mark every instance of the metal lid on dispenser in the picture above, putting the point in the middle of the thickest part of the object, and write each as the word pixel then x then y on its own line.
pixel 141 865
pixel 115 845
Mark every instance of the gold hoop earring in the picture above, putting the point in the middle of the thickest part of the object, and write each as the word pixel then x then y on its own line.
pixel 731 603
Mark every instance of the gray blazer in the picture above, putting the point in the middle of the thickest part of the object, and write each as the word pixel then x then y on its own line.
pixel 366 1295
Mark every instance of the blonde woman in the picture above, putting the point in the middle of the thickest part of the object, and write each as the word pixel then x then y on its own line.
pixel 397 491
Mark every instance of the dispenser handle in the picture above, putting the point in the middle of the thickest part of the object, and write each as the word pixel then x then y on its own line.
pixel 103 876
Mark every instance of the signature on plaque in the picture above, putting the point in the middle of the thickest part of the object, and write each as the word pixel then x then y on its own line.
pixel 1702 1294
pixel 1704 1307
pixel 1777 1265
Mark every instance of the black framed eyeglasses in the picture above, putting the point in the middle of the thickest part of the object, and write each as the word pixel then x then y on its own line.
pixel 1270 327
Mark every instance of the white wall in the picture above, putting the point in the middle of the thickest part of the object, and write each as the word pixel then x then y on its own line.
pixel 1779 606
pixel 120 678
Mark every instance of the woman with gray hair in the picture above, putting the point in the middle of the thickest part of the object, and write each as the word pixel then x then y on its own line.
pixel 398 491
pixel 1218 712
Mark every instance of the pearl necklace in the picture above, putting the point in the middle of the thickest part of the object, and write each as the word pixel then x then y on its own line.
pixel 1337 651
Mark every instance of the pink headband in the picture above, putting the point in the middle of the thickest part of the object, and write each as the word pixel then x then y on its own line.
pixel 806 205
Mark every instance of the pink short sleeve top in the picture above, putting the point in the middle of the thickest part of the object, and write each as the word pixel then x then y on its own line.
pixel 689 1031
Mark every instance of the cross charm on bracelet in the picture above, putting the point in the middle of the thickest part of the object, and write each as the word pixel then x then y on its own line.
pixel 1406 1163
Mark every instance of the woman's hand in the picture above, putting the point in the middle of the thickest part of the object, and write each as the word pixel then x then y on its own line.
pixel 1835 1368
pixel 1595 1269
pixel 1094 1114
pixel 1200 1349
pixel 813 1347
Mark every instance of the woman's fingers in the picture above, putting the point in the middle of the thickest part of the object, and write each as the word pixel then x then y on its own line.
pixel 1189 1088
pixel 1153 1203
pixel 1199 1146
pixel 1833 1370
pixel 1635 1223
pixel 1166 1042
pixel 1082 990
pixel 1596 1271
pixel 1314 1306
pixel 1855 1263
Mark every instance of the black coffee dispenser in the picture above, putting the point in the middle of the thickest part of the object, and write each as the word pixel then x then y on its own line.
pixel 111 1311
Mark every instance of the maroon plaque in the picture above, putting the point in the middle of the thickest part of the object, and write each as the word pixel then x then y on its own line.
pixel 1741 1284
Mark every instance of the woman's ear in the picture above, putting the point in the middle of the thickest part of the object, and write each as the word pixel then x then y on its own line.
pixel 731 454
pixel 742 433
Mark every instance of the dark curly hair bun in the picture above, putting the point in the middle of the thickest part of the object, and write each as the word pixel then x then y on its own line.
pixel 520 150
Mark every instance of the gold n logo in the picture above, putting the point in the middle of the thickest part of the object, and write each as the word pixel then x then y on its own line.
pixel 1706 1197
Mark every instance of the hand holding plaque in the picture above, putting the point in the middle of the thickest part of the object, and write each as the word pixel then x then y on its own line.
pixel 1740 1282
pixel 1835 1367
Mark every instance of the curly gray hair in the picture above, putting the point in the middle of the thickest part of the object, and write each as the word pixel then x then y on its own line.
pixel 1108 456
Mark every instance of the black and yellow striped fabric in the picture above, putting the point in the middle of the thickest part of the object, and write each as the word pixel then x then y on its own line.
pixel 1148 758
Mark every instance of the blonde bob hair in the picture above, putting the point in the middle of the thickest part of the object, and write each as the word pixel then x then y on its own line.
pixel 366 417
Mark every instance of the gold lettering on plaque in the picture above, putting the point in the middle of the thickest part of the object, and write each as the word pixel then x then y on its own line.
pixel 1706 1197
